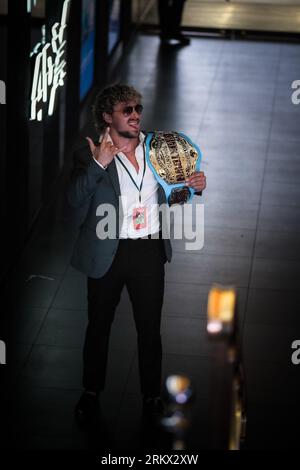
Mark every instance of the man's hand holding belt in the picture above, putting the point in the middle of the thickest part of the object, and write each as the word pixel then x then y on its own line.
pixel 197 181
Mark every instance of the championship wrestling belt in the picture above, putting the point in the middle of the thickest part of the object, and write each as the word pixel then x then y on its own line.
pixel 172 157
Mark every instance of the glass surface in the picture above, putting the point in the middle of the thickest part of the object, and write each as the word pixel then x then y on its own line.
pixel 114 24
pixel 87 47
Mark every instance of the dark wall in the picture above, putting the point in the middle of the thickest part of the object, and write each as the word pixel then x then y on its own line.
pixel 3 127
pixel 17 108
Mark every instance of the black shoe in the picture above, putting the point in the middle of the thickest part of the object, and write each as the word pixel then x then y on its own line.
pixel 153 408
pixel 87 410
pixel 175 40
pixel 184 40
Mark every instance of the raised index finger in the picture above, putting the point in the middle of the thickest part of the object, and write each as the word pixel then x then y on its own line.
pixel 106 134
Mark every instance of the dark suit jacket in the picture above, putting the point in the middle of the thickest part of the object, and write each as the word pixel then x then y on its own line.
pixel 89 187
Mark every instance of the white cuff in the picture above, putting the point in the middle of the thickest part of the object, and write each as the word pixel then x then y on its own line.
pixel 103 167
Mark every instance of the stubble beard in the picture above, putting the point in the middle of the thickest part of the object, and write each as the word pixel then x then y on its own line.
pixel 127 134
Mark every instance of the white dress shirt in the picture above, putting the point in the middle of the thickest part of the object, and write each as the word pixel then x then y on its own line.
pixel 130 193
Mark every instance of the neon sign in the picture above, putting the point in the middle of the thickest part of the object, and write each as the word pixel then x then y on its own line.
pixel 30 4
pixel 50 68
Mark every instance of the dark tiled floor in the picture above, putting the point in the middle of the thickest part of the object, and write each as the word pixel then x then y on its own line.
pixel 233 97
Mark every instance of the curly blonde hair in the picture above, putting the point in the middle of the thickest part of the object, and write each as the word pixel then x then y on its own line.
pixel 108 98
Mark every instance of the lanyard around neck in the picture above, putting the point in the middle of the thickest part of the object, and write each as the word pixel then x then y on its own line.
pixel 130 176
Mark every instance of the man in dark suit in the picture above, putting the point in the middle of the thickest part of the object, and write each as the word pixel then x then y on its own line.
pixel 170 14
pixel 113 174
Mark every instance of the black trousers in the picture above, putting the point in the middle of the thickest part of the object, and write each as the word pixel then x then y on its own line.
pixel 170 13
pixel 138 264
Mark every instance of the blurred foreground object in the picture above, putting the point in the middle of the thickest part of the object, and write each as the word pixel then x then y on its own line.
pixel 228 403
pixel 178 393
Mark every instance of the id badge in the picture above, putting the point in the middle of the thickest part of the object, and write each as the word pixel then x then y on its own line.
pixel 139 218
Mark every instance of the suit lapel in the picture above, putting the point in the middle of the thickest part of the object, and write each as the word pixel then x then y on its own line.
pixel 113 174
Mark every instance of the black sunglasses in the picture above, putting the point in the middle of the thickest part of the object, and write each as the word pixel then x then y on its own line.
pixel 138 108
